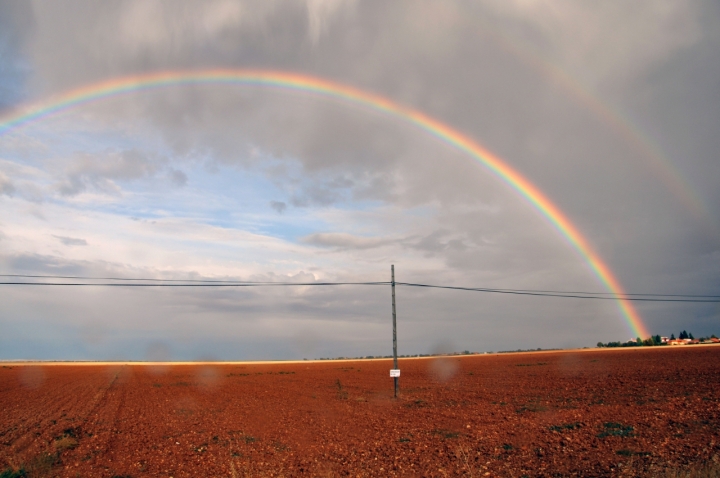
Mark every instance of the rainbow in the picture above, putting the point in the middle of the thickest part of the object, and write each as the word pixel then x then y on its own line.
pixel 647 150
pixel 349 94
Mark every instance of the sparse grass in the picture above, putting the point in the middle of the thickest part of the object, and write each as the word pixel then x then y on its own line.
pixel 242 436
pixel 466 461
pixel 627 452
pixel 566 426
pixel 65 443
pixel 279 446
pixel 342 393
pixel 416 404
pixel 703 470
pixel 446 433
pixel 10 473
pixel 530 364
pixel 42 464
pixel 616 430
pixel 535 406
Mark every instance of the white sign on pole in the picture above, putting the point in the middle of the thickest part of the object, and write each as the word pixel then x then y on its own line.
pixel 395 372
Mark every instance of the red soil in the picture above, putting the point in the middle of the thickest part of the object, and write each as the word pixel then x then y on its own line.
pixel 593 413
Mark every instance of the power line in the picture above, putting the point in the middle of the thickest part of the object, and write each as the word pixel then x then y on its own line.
pixel 571 295
pixel 210 281
pixel 233 284
pixel 238 282
pixel 151 282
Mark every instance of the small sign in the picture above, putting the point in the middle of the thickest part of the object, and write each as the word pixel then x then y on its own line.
pixel 395 372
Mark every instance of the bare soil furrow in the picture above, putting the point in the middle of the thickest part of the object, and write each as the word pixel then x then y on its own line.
pixel 592 413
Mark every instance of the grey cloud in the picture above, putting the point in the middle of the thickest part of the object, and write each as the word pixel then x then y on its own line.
pixel 178 178
pixel 643 35
pixel 279 206
pixel 16 22
pixel 6 186
pixel 42 264
pixel 101 171
pixel 345 241
pixel 135 36
pixel 71 241
pixel 439 241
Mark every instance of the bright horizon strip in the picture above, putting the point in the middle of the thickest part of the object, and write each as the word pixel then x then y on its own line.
pixel 304 83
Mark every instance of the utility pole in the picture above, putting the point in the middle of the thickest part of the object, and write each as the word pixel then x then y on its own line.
pixel 395 373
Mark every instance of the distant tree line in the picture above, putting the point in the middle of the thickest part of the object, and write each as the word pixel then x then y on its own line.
pixel 651 341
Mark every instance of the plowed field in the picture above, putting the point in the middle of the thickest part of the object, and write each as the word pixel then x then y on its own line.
pixel 630 412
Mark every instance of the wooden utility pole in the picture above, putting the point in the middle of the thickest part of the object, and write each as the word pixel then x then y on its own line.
pixel 396 376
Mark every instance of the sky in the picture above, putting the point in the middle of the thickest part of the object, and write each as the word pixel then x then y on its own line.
pixel 611 110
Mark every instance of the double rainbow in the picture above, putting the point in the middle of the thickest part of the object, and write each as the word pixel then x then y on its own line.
pixel 321 87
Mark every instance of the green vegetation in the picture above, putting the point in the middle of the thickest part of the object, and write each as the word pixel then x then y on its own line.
pixel 10 473
pixel 65 443
pixel 446 433
pixel 638 342
pixel 703 470
pixel 416 403
pixel 342 393
pixel 616 430
pixel 626 452
pixel 566 426
pixel 654 340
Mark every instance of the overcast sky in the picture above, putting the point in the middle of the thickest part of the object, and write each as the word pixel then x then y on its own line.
pixel 612 109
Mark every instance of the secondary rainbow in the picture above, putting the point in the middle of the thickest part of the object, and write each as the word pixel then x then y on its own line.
pixel 620 123
pixel 322 87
